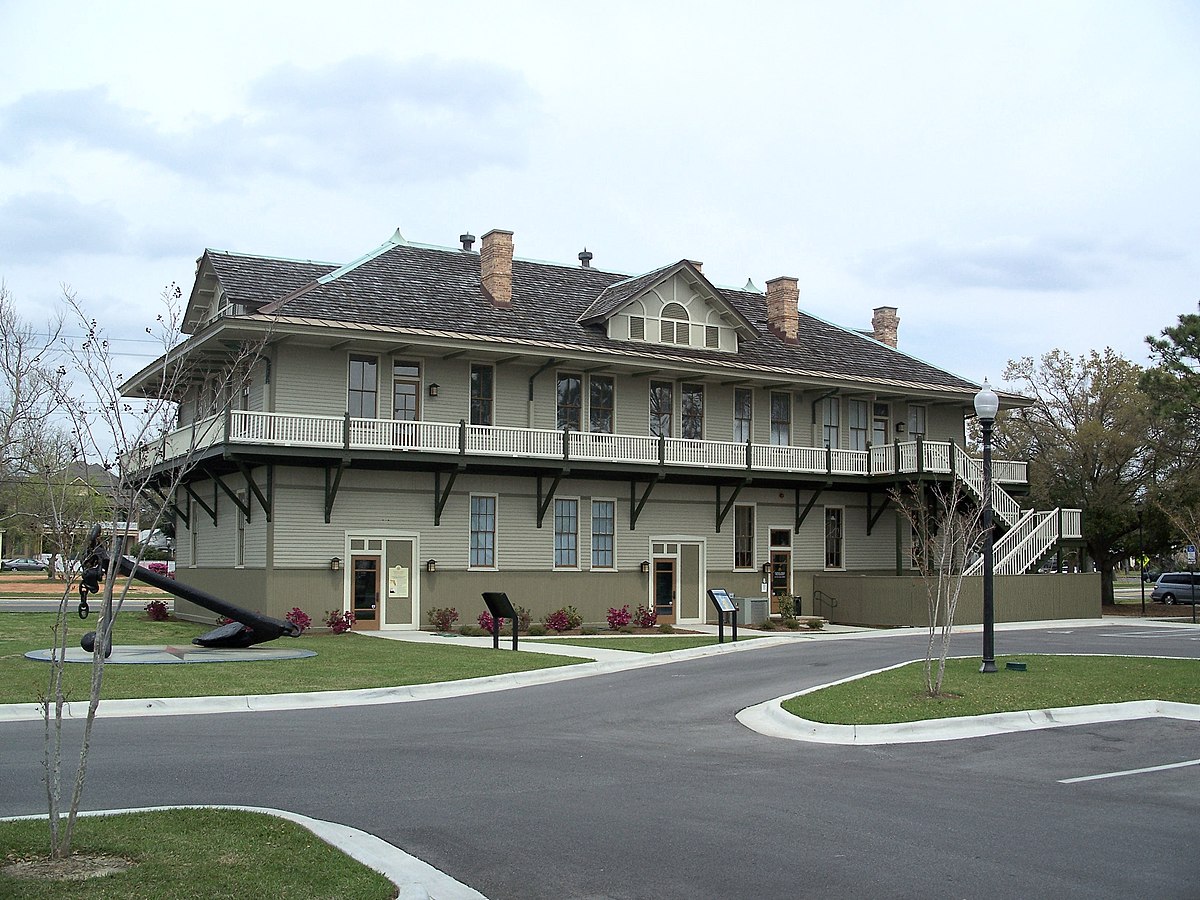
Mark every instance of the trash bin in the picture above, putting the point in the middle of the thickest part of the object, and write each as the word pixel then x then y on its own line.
pixel 760 610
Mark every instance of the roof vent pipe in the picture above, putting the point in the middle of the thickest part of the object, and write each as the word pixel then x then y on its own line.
pixel 467 240
pixel 585 259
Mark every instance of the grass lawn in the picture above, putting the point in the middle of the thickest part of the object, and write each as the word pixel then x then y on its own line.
pixel 343 662
pixel 187 854
pixel 638 644
pixel 897 695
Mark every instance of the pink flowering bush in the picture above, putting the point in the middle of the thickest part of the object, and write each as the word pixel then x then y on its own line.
pixel 300 619
pixel 157 611
pixel 645 618
pixel 443 619
pixel 557 620
pixel 618 618
pixel 339 621
pixel 486 622
pixel 160 568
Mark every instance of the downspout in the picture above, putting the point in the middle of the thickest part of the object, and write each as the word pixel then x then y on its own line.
pixel 546 365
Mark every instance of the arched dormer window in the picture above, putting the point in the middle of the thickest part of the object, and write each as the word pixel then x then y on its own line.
pixel 675 327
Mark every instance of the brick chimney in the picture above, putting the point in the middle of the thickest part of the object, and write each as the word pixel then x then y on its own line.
pixel 783 301
pixel 885 325
pixel 495 265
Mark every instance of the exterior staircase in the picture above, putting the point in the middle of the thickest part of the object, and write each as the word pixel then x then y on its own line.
pixel 1030 535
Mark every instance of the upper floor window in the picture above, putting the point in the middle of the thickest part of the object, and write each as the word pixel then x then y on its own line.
pixel 406 390
pixel 831 422
pixel 363 387
pixel 600 404
pixel 661 402
pixel 570 401
pixel 859 425
pixel 916 421
pixel 692 411
pixel 781 418
pixel 674 327
pixel 483 393
pixel 743 414
pixel 881 416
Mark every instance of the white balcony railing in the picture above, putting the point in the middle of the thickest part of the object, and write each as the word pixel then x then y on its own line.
pixel 304 431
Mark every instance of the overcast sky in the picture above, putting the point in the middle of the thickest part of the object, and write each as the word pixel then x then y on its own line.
pixel 1013 177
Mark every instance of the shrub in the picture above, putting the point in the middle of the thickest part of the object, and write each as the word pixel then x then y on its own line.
pixel 339 621
pixel 524 617
pixel 816 624
pixel 666 628
pixel 645 618
pixel 618 618
pixel 589 629
pixel 557 621
pixel 537 629
pixel 157 611
pixel 787 608
pixel 792 622
pixel 471 631
pixel 300 619
pixel 768 625
pixel 486 623
pixel 159 568
pixel 443 618
pixel 574 619
pixel 627 629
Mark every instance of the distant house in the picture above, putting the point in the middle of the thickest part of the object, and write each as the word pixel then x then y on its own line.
pixel 425 423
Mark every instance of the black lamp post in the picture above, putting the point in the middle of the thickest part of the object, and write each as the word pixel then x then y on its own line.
pixel 986 405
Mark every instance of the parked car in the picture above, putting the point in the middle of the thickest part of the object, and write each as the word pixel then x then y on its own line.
pixel 23 564
pixel 1176 587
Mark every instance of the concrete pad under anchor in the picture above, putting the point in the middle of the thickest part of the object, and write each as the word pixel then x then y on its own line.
pixel 184 653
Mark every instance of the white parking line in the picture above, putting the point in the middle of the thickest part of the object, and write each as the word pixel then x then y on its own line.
pixel 1178 765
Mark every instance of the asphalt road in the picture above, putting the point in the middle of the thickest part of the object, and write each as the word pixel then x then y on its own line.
pixel 642 784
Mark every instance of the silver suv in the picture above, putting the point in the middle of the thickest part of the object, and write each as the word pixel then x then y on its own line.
pixel 1176 587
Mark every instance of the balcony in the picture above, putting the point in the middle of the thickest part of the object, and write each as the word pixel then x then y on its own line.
pixel 302 432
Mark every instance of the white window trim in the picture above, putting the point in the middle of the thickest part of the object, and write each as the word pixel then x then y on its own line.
pixel 824 539
pixel 754 565
pixel 554 534
pixel 616 506
pixel 350 356
pixel 239 530
pixel 495 566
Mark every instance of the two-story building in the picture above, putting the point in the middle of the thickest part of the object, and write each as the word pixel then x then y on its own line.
pixel 425 423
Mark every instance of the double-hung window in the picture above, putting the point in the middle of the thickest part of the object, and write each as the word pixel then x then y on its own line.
pixel 406 390
pixel 600 404
pixel 743 537
pixel 916 421
pixel 834 542
pixel 781 418
pixel 831 423
pixel 661 402
pixel 860 424
pixel 483 394
pixel 363 387
pixel 570 401
pixel 483 531
pixel 743 414
pixel 566 533
pixel 692 411
pixel 604 530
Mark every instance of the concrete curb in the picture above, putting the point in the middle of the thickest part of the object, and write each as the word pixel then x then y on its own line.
pixel 414 879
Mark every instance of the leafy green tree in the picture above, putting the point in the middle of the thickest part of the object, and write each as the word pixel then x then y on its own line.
pixel 1089 437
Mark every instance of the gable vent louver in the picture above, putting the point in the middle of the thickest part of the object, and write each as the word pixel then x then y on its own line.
pixel 637 328
pixel 712 337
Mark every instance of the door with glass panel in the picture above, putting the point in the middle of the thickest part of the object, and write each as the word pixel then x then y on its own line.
pixel 364 587
pixel 664 590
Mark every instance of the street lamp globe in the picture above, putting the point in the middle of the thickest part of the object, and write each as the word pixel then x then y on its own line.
pixel 986 402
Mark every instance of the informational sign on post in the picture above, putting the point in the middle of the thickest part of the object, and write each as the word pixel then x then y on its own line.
pixel 1191 554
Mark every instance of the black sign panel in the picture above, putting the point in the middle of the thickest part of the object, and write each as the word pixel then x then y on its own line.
pixel 499 605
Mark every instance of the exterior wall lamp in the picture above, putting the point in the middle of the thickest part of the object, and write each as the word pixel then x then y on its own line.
pixel 645 567
pixel 335 564
pixel 987 404
pixel 433 389
pixel 766 568
pixel 431 566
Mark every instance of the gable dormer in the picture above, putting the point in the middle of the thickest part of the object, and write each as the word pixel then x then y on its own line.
pixel 205 302
pixel 673 306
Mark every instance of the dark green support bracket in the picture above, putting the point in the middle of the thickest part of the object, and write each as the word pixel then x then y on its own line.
pixel 242 505
pixel 873 517
pixel 801 516
pixel 636 505
pixel 266 501
pixel 439 496
pixel 181 514
pixel 723 512
pixel 333 480
pixel 211 510
pixel 544 502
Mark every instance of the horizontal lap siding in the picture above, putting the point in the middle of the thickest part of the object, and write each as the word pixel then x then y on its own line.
pixel 310 381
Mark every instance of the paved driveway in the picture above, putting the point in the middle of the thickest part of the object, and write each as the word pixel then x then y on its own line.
pixel 642 784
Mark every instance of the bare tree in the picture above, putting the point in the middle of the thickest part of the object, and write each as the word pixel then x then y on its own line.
pixel 109 430
pixel 947 531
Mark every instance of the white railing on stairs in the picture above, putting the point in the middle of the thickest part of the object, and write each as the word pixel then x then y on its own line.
pixel 970 471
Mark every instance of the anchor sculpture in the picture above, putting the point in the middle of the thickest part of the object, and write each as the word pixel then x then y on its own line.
pixel 246 629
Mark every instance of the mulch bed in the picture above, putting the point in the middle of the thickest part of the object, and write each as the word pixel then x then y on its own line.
pixel 1153 610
